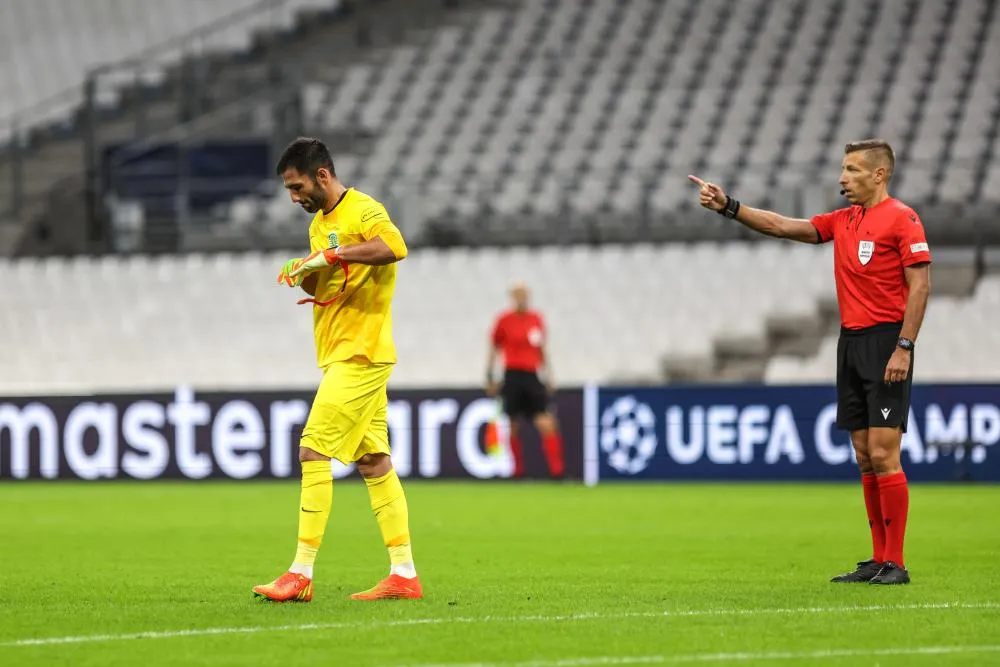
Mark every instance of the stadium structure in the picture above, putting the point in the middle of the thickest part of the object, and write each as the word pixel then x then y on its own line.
pixel 543 141
pixel 155 378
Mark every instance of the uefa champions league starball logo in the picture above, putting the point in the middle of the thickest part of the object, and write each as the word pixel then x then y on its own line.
pixel 628 435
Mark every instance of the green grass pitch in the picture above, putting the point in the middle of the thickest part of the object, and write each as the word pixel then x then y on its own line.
pixel 546 575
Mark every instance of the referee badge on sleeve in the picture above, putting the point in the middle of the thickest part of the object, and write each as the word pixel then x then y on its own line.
pixel 865 251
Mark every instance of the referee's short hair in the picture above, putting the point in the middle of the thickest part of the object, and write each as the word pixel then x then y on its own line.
pixel 306 155
pixel 880 147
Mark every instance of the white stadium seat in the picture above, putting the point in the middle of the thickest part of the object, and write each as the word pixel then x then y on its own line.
pixel 505 81
pixel 614 314
pixel 952 345
pixel 80 35
pixel 220 321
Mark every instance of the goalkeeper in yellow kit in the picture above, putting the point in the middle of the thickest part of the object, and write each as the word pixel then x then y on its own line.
pixel 351 275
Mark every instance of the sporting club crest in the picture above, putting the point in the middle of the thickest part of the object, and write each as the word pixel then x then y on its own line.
pixel 334 240
pixel 865 251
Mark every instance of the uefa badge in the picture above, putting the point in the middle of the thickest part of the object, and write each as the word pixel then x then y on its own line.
pixel 865 251
pixel 536 337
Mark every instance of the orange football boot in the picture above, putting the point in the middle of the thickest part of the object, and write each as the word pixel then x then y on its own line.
pixel 393 587
pixel 289 587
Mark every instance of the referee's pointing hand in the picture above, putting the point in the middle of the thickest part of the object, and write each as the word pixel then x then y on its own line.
pixel 711 196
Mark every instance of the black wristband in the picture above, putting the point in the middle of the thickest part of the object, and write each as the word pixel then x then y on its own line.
pixel 731 208
pixel 905 343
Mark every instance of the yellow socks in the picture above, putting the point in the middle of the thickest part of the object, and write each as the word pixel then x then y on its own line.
pixel 314 511
pixel 389 505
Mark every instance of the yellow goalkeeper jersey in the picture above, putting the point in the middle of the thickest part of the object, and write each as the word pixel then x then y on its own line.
pixel 358 325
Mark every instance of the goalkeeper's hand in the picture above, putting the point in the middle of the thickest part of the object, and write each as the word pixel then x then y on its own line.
pixel 285 275
pixel 314 262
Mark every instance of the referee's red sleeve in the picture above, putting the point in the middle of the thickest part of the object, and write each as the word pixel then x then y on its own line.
pixel 496 334
pixel 912 239
pixel 826 224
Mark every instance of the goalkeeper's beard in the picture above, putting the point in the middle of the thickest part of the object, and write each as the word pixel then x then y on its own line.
pixel 313 204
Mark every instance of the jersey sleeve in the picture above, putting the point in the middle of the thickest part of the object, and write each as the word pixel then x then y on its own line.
pixel 826 224
pixel 375 222
pixel 496 333
pixel 912 239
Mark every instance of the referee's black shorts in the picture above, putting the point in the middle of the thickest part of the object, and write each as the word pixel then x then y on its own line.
pixel 523 394
pixel 864 399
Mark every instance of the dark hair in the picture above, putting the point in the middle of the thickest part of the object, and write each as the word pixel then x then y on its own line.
pixel 306 156
pixel 880 146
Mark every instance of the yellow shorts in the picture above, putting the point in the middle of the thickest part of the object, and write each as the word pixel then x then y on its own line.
pixel 348 415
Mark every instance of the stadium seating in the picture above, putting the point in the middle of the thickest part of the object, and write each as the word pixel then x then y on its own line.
pixel 516 121
pixel 955 345
pixel 547 121
pixel 561 106
pixel 221 321
pixel 83 34
pixel 614 314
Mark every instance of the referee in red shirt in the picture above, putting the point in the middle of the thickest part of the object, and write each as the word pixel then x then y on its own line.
pixel 882 269
pixel 519 336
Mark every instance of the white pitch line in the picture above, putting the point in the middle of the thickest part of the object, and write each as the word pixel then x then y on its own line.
pixel 342 625
pixel 602 661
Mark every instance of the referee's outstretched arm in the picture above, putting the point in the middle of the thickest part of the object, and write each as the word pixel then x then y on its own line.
pixel 714 198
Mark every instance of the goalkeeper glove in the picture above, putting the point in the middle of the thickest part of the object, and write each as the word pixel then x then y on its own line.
pixel 316 261
pixel 295 270
pixel 285 275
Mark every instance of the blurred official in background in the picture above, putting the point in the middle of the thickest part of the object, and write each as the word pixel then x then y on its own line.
pixel 518 335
